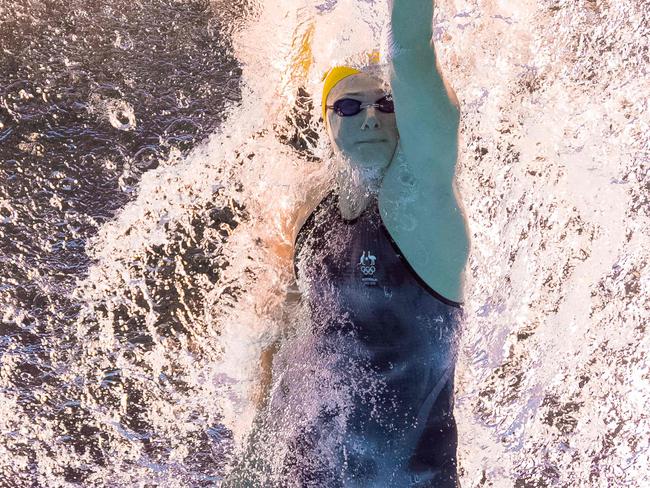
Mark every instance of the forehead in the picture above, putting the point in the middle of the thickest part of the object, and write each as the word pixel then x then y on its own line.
pixel 359 85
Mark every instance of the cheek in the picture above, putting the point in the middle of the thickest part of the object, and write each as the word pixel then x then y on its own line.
pixel 337 124
pixel 333 129
pixel 343 130
pixel 394 131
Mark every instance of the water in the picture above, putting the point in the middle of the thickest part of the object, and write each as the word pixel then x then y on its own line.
pixel 149 148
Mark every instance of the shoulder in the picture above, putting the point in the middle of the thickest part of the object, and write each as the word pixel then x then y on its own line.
pixel 317 199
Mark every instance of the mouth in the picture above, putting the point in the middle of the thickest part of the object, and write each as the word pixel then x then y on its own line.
pixel 372 141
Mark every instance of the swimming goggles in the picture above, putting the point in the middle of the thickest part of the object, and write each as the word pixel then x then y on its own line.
pixel 346 107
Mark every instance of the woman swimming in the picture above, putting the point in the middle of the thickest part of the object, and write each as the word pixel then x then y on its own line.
pixel 379 263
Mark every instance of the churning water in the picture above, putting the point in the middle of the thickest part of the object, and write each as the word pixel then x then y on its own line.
pixel 148 150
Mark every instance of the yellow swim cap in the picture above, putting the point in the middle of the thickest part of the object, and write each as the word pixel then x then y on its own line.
pixel 332 78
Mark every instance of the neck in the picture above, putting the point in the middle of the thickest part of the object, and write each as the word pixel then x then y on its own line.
pixel 357 188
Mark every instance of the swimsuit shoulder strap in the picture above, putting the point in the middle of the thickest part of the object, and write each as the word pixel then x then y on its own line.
pixel 326 202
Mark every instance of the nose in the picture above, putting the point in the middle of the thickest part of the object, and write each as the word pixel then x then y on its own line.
pixel 370 121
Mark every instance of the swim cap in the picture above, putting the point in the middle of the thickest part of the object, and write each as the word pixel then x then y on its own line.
pixel 332 78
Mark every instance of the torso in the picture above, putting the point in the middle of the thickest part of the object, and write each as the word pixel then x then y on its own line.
pixel 368 304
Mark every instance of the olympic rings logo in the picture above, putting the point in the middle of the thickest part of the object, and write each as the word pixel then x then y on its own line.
pixel 367 264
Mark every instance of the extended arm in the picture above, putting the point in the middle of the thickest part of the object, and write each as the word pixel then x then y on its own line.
pixel 427 113
pixel 421 210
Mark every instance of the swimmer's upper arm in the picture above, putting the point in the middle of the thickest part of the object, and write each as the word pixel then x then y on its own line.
pixel 436 244
pixel 279 239
pixel 282 245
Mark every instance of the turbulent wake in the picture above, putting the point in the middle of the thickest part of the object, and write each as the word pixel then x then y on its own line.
pixel 149 152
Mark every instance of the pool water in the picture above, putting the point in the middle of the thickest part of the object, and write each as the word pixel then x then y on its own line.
pixel 148 151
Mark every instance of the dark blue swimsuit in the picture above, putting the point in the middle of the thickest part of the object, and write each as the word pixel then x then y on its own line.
pixel 362 292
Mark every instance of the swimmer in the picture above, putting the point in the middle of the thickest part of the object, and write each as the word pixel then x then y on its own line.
pixel 379 262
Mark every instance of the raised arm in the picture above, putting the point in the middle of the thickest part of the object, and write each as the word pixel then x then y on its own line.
pixel 417 198
pixel 427 112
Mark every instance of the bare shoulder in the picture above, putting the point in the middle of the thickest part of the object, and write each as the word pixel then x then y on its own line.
pixel 307 206
pixel 289 214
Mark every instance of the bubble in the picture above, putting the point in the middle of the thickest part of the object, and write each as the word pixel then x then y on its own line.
pixel 123 41
pixel 119 113
pixel 121 116
pixel 7 213
pixel 147 157
pixel 68 184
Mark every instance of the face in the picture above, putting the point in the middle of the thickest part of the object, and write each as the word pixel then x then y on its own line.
pixel 368 139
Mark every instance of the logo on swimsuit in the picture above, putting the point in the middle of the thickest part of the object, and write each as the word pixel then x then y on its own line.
pixel 367 264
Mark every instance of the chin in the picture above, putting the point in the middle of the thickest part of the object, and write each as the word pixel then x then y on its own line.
pixel 374 157
pixel 378 163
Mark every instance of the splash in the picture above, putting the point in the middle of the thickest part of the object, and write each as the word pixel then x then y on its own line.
pixel 554 175
pixel 152 374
